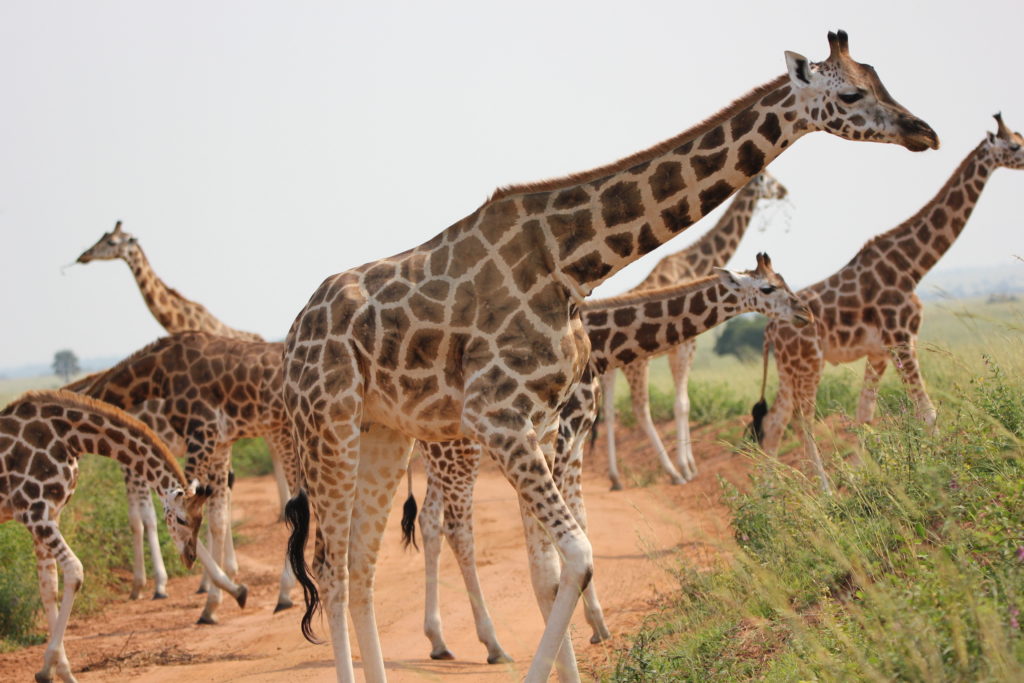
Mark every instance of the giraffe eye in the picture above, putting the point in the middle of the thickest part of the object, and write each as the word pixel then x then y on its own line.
pixel 768 289
pixel 1014 147
pixel 181 520
pixel 851 97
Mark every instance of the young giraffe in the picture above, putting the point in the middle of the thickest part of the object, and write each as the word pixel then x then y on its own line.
pixel 209 391
pixel 42 436
pixel 654 321
pixel 713 249
pixel 869 308
pixel 476 334
pixel 175 314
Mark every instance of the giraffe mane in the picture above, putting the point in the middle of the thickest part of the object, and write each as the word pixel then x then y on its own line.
pixel 646 295
pixel 923 211
pixel 691 133
pixel 70 399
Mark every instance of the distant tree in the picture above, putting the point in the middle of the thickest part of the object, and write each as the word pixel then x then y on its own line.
pixel 742 337
pixel 65 364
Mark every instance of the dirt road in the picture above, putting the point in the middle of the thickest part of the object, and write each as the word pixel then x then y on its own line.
pixel 638 535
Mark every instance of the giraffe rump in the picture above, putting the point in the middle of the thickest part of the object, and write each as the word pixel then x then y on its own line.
pixel 296 513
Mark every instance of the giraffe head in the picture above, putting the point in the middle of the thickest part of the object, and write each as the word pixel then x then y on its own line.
pixel 113 245
pixel 762 290
pixel 183 513
pixel 846 98
pixel 1005 145
pixel 768 187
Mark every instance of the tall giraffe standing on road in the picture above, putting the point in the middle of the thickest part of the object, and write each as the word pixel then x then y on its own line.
pixel 713 249
pixel 175 314
pixel 869 308
pixel 477 334
pixel 653 321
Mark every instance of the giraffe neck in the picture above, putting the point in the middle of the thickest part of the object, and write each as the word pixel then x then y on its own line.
pixel 594 224
pixel 159 298
pixel 714 248
pixel 914 246
pixel 637 325
pixel 104 430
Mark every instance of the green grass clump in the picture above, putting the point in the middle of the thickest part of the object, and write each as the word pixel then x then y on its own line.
pixel 251 458
pixel 912 570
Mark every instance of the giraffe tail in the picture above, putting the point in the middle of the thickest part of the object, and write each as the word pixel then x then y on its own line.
pixel 409 511
pixel 756 427
pixel 296 514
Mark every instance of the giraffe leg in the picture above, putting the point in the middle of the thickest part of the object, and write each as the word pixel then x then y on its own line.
pixel 806 395
pixel 781 410
pixel 551 532
pixel 680 360
pixel 135 523
pixel 637 376
pixel 383 458
pixel 155 553
pixel 571 486
pixel 873 371
pixel 909 369
pixel 458 529
pixel 283 490
pixel 283 451
pixel 49 553
pixel 219 524
pixel 608 389
pixel 430 530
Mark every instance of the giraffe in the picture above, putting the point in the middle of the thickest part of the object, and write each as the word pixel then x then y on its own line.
pixel 477 334
pixel 869 308
pixel 42 436
pixel 714 248
pixel 204 392
pixel 175 314
pixel 653 320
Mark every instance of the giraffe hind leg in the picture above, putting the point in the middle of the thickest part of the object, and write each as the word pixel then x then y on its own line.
pixel 49 553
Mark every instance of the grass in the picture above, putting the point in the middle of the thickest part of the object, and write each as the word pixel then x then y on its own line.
pixel 914 568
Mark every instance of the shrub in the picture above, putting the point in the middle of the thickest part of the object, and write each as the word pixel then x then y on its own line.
pixel 743 337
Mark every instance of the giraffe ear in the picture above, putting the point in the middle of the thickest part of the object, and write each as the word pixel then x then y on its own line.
pixel 799 69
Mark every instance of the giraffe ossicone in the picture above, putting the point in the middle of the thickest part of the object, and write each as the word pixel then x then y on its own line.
pixel 477 334
pixel 869 308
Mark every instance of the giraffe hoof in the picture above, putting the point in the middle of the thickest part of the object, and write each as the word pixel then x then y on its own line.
pixel 201 589
pixel 159 595
pixel 283 605
pixel 678 481
pixel 616 486
pixel 500 658
pixel 134 595
pixel 600 637
pixel 206 620
pixel 43 678
pixel 443 654
pixel 243 594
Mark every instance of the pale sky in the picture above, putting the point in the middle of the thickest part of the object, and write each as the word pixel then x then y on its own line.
pixel 255 148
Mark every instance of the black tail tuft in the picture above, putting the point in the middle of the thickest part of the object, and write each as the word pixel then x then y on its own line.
pixel 756 427
pixel 594 432
pixel 296 514
pixel 409 511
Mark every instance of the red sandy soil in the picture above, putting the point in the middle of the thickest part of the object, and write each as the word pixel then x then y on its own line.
pixel 639 536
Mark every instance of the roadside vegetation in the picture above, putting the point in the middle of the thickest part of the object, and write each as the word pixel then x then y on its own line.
pixel 912 570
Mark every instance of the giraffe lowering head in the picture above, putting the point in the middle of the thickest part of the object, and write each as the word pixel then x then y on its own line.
pixel 847 98
pixel 762 290
pixel 767 186
pixel 111 246
pixel 183 514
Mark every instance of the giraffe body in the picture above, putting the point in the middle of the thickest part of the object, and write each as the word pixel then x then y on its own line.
pixel 204 392
pixel 713 249
pixel 653 320
pixel 869 308
pixel 42 436
pixel 477 334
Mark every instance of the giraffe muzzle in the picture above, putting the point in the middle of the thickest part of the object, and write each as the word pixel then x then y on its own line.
pixel 917 135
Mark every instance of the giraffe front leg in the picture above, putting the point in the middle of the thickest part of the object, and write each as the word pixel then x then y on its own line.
pixel 49 552
pixel 383 458
pixel 153 540
pixel 637 376
pixel 680 360
pixel 807 389
pixel 608 389
pixel 873 371
pixel 219 525
pixel 551 532
pixel 910 372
